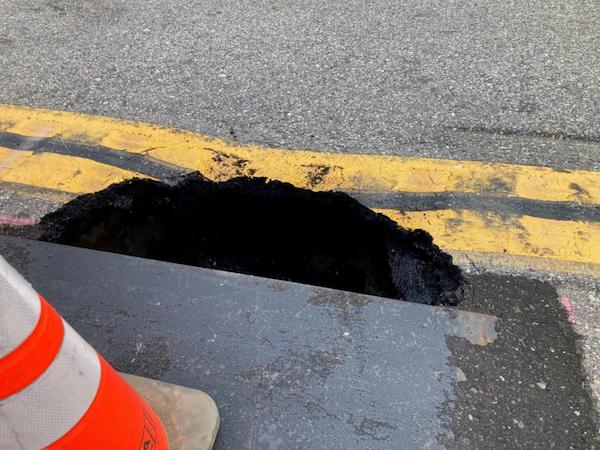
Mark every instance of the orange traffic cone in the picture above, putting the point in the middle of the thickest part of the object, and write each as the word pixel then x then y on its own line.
pixel 56 392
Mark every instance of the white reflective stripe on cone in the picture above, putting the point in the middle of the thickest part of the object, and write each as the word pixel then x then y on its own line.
pixel 19 308
pixel 50 406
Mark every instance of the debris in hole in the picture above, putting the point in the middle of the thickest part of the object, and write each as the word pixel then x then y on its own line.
pixel 265 228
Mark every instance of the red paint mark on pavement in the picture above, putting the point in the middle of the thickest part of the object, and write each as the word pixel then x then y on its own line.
pixel 568 307
pixel 16 221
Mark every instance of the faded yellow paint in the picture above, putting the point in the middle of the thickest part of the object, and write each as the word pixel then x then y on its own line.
pixel 220 160
pixel 574 244
pixel 11 158
pixel 466 230
pixel 59 172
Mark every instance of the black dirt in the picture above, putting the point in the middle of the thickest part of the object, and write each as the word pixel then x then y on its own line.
pixel 265 228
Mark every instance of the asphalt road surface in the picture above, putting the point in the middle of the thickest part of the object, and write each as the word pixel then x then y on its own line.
pixel 500 81
pixel 482 80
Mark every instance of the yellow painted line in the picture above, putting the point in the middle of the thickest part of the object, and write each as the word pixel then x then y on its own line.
pixel 11 158
pixel 220 160
pixel 59 172
pixel 466 230
pixel 575 244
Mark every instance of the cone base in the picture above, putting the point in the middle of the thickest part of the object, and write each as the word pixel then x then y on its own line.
pixel 190 416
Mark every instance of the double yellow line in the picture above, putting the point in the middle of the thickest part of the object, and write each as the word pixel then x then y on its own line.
pixel 573 245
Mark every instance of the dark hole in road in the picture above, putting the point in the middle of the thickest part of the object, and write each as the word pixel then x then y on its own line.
pixel 265 228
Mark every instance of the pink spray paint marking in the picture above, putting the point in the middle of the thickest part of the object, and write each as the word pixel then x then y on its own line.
pixel 16 221
pixel 568 307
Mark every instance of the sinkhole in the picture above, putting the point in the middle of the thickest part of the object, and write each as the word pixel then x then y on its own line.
pixel 264 228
